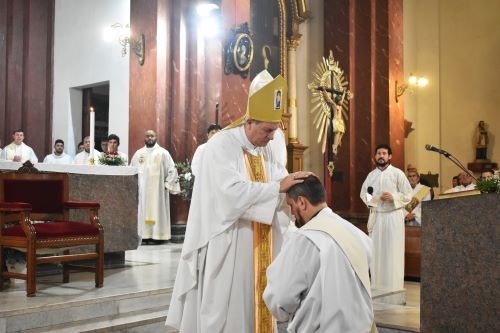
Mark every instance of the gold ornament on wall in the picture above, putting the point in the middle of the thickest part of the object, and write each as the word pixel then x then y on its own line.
pixel 330 100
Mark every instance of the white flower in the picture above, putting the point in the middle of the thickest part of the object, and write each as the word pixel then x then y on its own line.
pixel 187 176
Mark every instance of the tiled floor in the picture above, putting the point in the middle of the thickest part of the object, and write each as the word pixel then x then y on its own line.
pixel 398 317
pixel 154 267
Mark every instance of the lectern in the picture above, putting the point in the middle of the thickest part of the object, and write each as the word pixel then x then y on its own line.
pixel 459 268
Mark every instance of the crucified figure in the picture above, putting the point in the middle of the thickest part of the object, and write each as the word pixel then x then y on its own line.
pixel 338 119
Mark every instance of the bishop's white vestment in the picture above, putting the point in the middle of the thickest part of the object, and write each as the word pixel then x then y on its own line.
pixel 386 226
pixel 23 150
pixel 312 286
pixel 196 162
pixel 214 286
pixel 157 178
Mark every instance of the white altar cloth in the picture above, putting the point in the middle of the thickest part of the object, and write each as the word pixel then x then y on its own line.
pixel 74 168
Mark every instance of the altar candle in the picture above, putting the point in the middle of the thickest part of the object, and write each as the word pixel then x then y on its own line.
pixel 92 129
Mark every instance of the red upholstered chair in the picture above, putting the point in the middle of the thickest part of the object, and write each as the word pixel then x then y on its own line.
pixel 26 199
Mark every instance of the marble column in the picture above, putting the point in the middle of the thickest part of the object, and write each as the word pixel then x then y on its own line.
pixel 294 148
pixel 366 39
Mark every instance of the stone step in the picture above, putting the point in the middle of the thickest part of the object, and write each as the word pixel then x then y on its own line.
pixel 143 307
pixel 397 297
pixel 151 319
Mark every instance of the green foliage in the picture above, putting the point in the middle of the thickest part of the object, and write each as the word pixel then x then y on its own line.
pixel 111 159
pixel 186 179
pixel 491 185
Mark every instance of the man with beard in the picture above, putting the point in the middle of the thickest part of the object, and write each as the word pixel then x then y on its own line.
pixel 157 178
pixel 386 191
pixel 58 156
pixel 319 281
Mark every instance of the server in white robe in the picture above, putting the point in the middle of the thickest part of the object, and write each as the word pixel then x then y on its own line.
pixel 113 142
pixel 83 157
pixel 17 150
pixel 157 178
pixel 58 156
pixel 386 191
pixel 197 161
pixel 419 193
pixel 319 282
pixel 214 287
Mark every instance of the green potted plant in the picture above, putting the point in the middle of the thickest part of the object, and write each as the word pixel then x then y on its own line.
pixel 490 185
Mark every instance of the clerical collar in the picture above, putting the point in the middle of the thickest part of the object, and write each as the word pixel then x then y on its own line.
pixel 316 214
pixel 246 143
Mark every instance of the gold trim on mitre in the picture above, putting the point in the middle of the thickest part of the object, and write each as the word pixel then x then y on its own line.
pixel 266 101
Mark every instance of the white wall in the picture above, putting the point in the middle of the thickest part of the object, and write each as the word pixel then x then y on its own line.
pixel 456 45
pixel 82 58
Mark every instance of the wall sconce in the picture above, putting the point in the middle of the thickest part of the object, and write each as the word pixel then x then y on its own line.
pixel 137 46
pixel 413 81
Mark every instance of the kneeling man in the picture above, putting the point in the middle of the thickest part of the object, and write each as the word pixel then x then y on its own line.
pixel 319 282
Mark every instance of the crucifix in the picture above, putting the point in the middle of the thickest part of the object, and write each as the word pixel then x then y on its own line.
pixel 330 100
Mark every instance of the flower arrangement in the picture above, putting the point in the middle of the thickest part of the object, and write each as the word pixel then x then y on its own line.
pixel 491 185
pixel 112 158
pixel 186 179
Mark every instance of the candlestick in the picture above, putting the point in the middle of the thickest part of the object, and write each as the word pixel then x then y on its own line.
pixel 92 134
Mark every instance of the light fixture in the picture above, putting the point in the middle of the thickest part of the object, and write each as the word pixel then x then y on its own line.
pixel 205 9
pixel 208 19
pixel 413 81
pixel 136 45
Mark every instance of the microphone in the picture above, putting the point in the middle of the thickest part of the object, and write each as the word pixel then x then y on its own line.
pixel 369 190
pixel 437 150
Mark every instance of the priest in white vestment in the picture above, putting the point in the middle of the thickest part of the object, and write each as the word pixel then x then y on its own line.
pixel 83 157
pixel 319 282
pixel 58 156
pixel 386 191
pixel 197 161
pixel 419 193
pixel 214 287
pixel 17 150
pixel 157 178
pixel 466 183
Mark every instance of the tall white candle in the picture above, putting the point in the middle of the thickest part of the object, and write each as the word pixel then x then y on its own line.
pixel 92 134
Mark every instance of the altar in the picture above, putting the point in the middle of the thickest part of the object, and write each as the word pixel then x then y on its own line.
pixel 115 188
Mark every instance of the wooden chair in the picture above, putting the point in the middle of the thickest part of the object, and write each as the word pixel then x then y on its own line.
pixel 28 198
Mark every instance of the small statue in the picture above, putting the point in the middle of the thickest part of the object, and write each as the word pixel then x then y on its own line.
pixel 481 141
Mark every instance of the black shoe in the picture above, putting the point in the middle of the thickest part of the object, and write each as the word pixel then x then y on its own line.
pixel 147 241
pixel 158 241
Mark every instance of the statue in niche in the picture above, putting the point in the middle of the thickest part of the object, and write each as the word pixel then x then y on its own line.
pixel 481 141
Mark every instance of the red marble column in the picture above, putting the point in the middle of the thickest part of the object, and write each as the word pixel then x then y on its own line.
pixel 177 88
pixel 366 39
pixel 26 43
pixel 234 89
